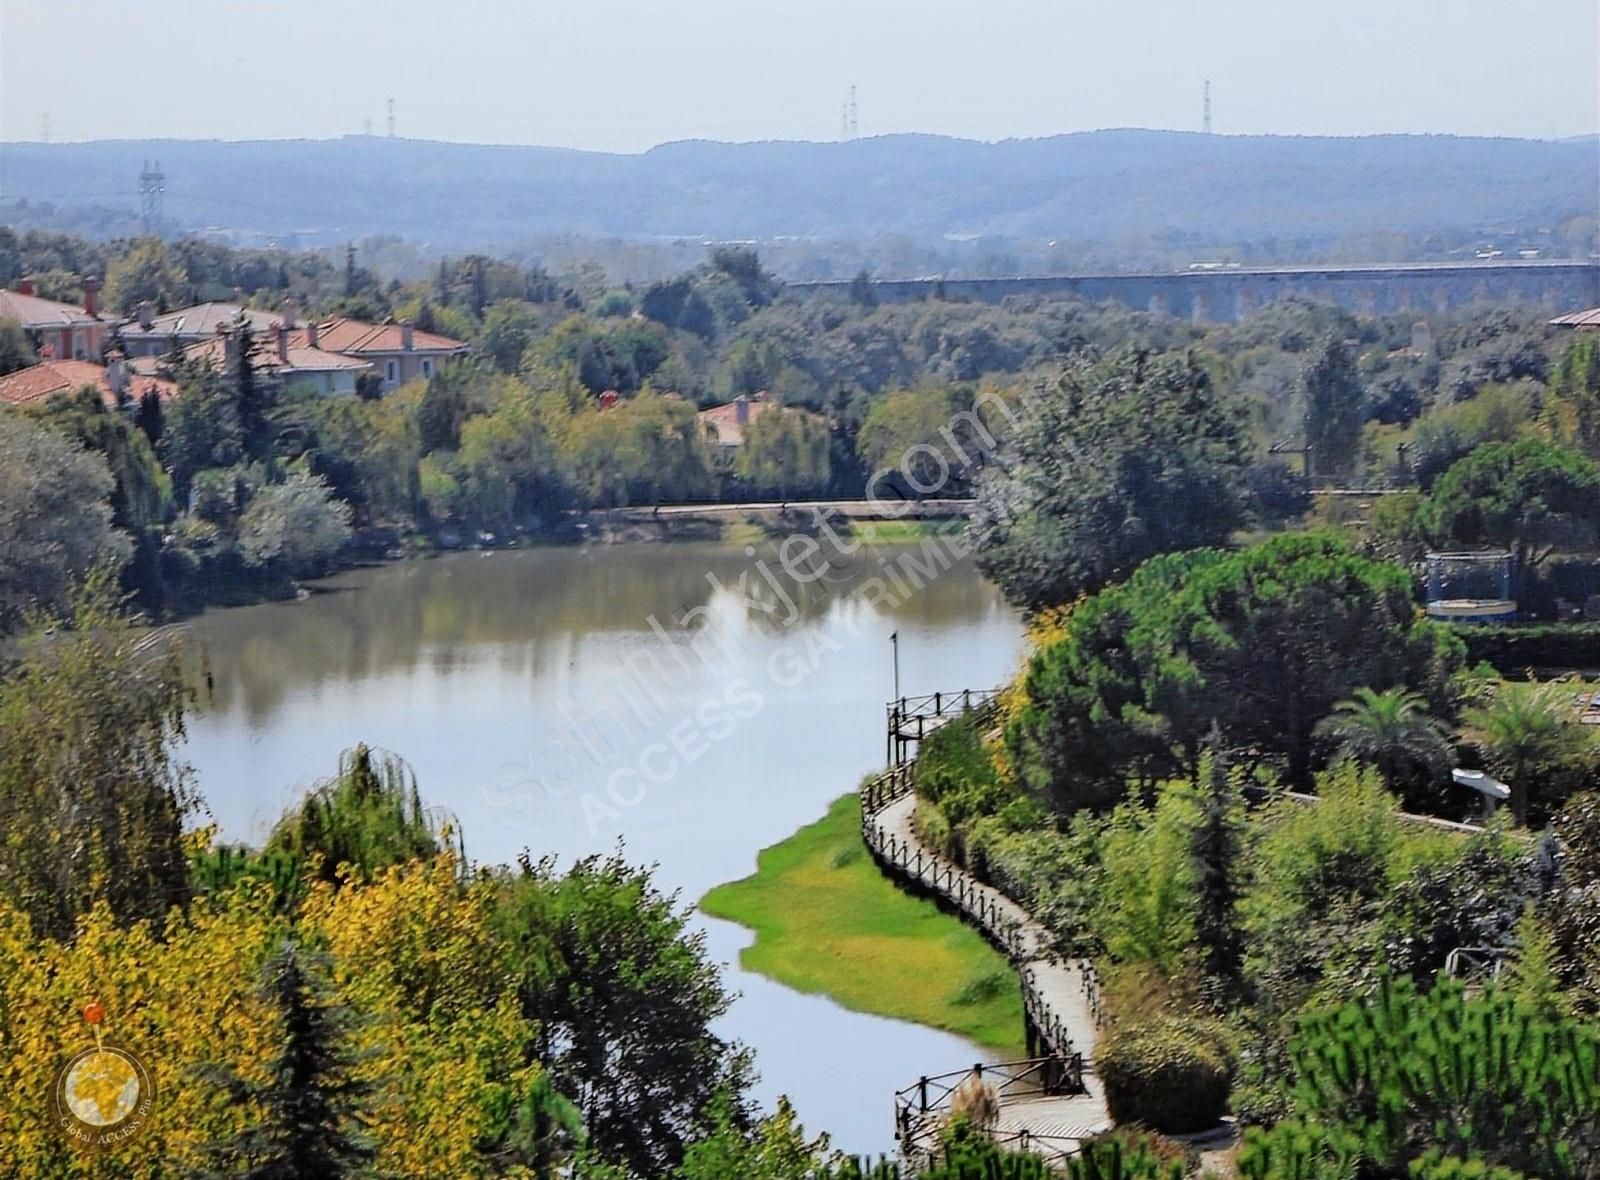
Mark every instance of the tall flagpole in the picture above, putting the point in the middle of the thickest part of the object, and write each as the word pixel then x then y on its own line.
pixel 894 641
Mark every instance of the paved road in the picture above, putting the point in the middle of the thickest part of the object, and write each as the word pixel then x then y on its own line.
pixel 865 509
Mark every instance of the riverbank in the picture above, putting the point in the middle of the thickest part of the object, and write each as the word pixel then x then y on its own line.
pixel 734 525
pixel 827 921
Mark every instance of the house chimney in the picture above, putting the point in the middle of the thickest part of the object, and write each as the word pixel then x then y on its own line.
pixel 313 331
pixel 25 286
pixel 291 312
pixel 117 378
pixel 282 332
pixel 91 296
pixel 147 314
pixel 741 413
pixel 406 338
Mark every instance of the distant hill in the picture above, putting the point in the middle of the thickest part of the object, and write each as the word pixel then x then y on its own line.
pixel 1094 186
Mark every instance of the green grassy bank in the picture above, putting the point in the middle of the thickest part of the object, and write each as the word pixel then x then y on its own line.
pixel 826 920
pixel 885 532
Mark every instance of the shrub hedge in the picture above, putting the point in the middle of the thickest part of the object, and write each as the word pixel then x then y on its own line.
pixel 1168 1073
pixel 1545 645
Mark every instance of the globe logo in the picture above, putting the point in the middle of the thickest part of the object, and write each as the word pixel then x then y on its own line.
pixel 103 1094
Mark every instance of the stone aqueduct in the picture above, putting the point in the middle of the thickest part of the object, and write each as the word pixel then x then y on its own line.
pixel 1222 296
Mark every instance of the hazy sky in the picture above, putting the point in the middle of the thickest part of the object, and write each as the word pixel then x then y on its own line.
pixel 626 74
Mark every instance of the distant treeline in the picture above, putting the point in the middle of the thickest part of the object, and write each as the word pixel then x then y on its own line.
pixel 897 205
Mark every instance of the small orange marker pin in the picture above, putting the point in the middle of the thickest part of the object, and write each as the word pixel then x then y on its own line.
pixel 95 1013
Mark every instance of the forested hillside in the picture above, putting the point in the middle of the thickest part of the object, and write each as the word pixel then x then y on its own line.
pixel 1103 198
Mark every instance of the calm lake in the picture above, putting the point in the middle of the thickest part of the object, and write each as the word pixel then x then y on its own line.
pixel 682 700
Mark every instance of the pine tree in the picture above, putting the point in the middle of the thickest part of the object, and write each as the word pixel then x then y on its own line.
pixel 310 1102
pixel 1218 852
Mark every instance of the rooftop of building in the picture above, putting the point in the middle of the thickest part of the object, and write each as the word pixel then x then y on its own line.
pixel 265 353
pixel 203 319
pixel 728 421
pixel 34 312
pixel 44 380
pixel 1588 319
pixel 342 334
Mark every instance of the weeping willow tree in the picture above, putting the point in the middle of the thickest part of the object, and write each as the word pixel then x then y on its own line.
pixel 364 819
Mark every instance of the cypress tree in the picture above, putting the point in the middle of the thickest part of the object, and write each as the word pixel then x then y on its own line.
pixel 1218 850
pixel 1331 388
pixel 150 417
pixel 254 396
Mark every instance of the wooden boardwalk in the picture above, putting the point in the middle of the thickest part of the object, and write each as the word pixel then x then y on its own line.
pixel 1060 999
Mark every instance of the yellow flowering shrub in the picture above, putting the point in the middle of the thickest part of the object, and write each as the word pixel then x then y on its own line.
pixel 435 1027
pixel 445 1044
pixel 179 1005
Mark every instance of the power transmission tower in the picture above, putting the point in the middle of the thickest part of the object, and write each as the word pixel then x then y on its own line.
pixel 152 186
pixel 44 128
pixel 391 118
pixel 853 128
pixel 1205 115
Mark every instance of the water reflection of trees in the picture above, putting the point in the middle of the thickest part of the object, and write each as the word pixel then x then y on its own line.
pixel 530 611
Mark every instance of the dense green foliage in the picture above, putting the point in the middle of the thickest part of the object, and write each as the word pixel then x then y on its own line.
pixel 1527 496
pixel 1393 732
pixel 1079 496
pixel 93 794
pixel 955 770
pixel 55 518
pixel 1333 397
pixel 1406 1073
pixel 1261 643
pixel 1217 846
pixel 366 818
pixel 622 995
pixel 1533 739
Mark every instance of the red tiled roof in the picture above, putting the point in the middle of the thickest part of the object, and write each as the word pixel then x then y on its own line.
pixel 723 421
pixel 34 313
pixel 264 355
pixel 1578 319
pixel 34 384
pixel 354 336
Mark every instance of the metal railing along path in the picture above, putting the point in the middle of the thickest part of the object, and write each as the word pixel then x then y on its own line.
pixel 1061 1002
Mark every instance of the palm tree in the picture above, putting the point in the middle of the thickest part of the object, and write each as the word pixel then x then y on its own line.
pixel 1393 732
pixel 1529 731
